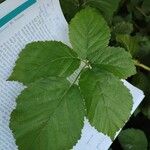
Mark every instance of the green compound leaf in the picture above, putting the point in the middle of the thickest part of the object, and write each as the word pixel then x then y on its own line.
pixel 43 59
pixel 107 7
pixel 50 112
pixel 49 115
pixel 88 32
pixel 114 60
pixel 108 101
pixel 133 139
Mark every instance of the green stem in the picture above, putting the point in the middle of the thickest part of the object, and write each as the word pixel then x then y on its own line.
pixel 137 63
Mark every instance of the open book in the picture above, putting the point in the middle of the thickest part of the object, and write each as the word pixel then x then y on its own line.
pixel 22 22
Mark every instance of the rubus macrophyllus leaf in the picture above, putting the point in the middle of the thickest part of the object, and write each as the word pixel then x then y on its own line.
pixel 88 32
pixel 114 60
pixel 49 115
pixel 43 59
pixel 50 111
pixel 107 100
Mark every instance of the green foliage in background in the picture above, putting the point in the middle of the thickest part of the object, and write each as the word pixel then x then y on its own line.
pixel 133 139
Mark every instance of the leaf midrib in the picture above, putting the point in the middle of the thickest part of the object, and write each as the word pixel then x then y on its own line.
pixel 46 122
pixel 40 66
pixel 61 100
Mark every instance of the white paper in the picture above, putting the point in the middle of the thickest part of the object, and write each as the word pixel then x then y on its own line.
pixel 41 21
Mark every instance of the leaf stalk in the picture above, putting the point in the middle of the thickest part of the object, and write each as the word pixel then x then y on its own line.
pixel 137 63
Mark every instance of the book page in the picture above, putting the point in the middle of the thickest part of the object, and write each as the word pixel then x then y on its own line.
pixel 22 22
